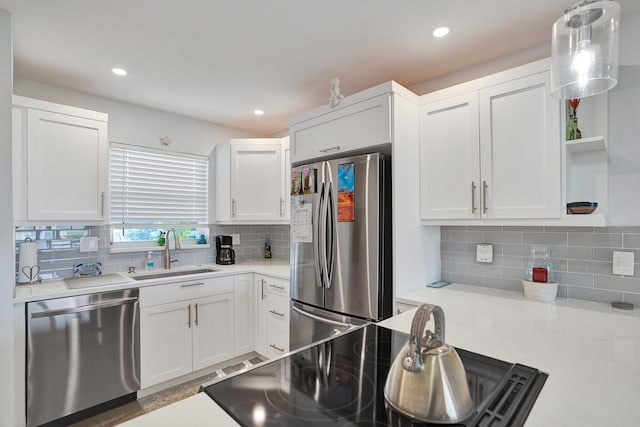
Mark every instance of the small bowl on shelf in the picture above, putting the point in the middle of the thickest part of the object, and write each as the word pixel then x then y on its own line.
pixel 581 208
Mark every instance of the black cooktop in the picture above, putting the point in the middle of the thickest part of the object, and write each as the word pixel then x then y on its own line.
pixel 340 382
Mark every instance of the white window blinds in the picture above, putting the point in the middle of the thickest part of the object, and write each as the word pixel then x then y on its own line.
pixel 154 187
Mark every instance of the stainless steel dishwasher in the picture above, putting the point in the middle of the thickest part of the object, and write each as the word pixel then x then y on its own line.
pixel 82 351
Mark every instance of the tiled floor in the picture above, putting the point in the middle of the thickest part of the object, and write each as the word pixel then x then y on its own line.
pixel 162 398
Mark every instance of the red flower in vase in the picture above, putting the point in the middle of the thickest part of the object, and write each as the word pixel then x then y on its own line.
pixel 573 103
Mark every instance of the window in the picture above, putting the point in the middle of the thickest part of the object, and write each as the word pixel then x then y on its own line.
pixel 151 190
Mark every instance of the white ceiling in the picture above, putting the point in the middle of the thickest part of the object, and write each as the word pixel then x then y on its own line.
pixel 219 60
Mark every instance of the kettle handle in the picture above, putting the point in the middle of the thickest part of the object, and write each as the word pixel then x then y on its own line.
pixel 413 359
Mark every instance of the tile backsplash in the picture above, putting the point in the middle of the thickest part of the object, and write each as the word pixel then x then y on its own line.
pixel 582 259
pixel 59 248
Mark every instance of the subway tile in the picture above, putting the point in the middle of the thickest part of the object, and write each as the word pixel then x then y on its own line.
pixel 446 276
pixel 597 240
pixel 448 246
pixel 632 298
pixel 484 228
pixel 445 235
pixel 631 240
pixel 506 284
pixel 466 279
pixel 593 267
pixel 453 227
pixel 562 291
pixel 484 270
pixel 503 237
pixel 610 230
pixel 622 284
pixel 544 238
pixel 568 229
pixel 514 273
pixel 590 294
pixel 576 279
pixel 572 252
pixel 463 258
pixel 507 261
pixel 466 236
pixel 515 250
pixel 560 265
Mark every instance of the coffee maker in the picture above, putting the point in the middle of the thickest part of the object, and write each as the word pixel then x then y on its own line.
pixel 224 250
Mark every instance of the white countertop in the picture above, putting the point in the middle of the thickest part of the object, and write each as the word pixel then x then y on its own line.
pixel 57 288
pixel 590 350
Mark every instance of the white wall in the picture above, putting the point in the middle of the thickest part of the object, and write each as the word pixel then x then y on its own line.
pixel 137 125
pixel 7 248
pixel 624 129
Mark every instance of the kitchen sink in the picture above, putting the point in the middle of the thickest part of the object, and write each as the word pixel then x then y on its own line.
pixel 173 273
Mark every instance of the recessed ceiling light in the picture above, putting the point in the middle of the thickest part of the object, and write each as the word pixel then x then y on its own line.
pixel 119 71
pixel 440 31
pixel 258 112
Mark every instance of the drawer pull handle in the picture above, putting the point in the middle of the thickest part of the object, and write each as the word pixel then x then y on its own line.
pixel 277 348
pixel 188 285
pixel 276 313
pixel 277 287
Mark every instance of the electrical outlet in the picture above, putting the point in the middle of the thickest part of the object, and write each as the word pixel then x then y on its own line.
pixel 235 239
pixel 484 252
pixel 88 244
pixel 623 263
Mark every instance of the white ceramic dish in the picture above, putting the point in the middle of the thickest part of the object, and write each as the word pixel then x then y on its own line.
pixel 540 291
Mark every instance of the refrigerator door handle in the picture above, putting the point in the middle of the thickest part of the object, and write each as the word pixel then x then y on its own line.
pixel 329 249
pixel 317 243
pixel 322 232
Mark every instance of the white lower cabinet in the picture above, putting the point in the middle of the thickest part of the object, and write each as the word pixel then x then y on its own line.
pixel 177 338
pixel 244 313
pixel 272 327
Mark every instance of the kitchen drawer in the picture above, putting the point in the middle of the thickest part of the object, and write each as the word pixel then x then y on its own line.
pixel 278 342
pixel 278 309
pixel 185 290
pixel 277 286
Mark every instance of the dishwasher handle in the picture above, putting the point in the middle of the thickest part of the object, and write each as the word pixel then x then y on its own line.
pixel 83 308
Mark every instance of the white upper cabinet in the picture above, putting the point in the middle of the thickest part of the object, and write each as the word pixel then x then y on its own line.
pixel 520 149
pixel 491 153
pixel 60 163
pixel 450 158
pixel 250 181
pixel 363 122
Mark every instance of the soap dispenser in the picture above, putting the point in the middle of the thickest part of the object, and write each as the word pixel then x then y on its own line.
pixel 267 249
pixel 149 263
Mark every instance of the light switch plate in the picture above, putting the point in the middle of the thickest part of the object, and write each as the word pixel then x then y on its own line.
pixel 235 239
pixel 88 244
pixel 484 252
pixel 623 263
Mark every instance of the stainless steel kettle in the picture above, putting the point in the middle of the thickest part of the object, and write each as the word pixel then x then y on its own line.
pixel 427 380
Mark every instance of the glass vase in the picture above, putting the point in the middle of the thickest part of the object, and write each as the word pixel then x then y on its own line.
pixel 540 267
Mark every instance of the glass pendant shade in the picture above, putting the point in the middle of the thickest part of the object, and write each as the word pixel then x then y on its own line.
pixel 584 50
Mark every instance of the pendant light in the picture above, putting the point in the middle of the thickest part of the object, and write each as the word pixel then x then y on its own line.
pixel 584 50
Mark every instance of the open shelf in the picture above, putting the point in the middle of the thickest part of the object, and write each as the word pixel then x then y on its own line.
pixel 586 159
pixel 586 144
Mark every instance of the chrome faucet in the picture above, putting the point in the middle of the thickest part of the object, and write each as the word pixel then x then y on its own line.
pixel 167 260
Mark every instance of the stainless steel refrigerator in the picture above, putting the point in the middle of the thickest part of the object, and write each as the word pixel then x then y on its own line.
pixel 341 256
